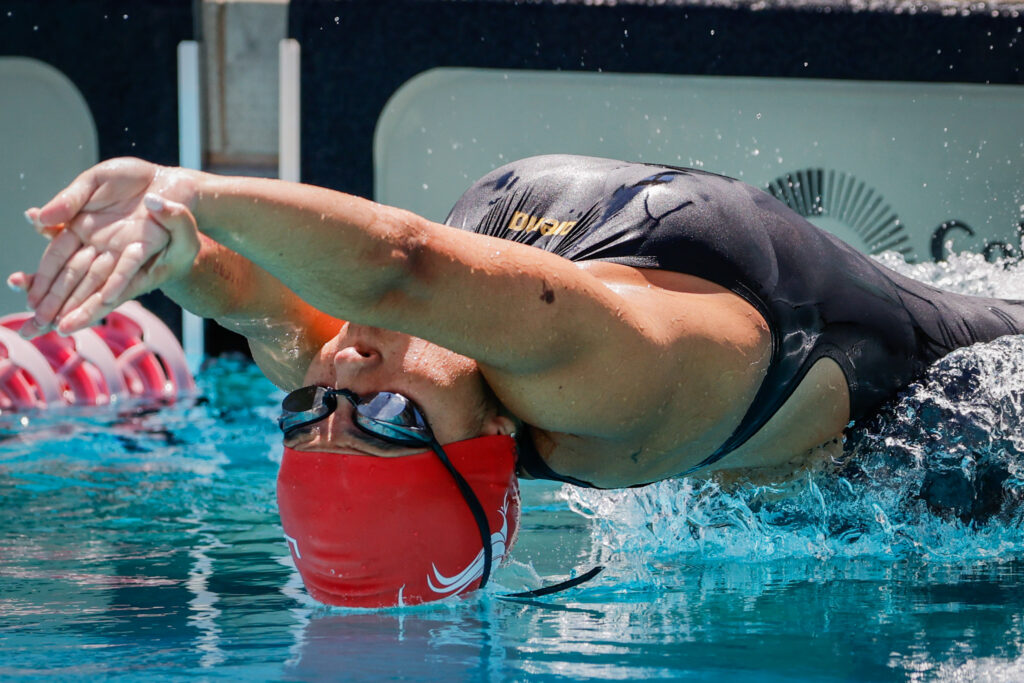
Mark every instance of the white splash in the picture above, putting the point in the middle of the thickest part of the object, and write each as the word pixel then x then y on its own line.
pixel 937 475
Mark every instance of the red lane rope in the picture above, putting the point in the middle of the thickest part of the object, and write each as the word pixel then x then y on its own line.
pixel 131 353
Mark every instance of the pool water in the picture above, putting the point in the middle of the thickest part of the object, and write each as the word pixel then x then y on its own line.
pixel 145 544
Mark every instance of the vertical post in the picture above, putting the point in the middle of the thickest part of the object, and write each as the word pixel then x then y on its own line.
pixel 190 150
pixel 289 131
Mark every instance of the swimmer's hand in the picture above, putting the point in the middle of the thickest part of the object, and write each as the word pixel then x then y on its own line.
pixel 121 229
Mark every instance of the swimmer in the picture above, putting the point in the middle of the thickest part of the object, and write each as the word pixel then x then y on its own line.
pixel 589 321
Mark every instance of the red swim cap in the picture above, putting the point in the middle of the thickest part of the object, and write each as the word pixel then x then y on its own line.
pixel 369 531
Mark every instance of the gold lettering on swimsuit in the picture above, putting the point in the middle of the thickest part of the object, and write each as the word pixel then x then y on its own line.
pixel 524 222
pixel 518 221
pixel 548 226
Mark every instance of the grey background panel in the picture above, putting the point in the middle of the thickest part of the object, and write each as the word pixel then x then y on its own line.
pixel 48 136
pixel 881 164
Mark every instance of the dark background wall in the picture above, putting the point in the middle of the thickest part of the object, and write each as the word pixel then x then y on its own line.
pixel 358 52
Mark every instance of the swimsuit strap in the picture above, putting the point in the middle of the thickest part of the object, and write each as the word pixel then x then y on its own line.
pixel 534 465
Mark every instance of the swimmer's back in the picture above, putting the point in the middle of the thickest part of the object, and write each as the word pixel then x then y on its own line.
pixel 820 297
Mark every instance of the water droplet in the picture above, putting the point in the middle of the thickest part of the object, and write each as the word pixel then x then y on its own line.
pixel 425 186
pixel 124 16
pixel 755 152
pixel 337 20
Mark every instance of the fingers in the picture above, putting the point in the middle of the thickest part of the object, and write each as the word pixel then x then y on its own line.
pixel 62 286
pixel 96 306
pixel 19 282
pixel 88 283
pixel 142 265
pixel 179 222
pixel 68 203
pixel 63 246
pixel 80 282
pixel 98 272
pixel 128 278
pixel 32 216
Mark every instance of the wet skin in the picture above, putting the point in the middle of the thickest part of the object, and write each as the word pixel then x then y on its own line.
pixel 447 387
pixel 623 376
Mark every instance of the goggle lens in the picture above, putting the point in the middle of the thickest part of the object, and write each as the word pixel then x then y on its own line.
pixel 305 406
pixel 395 418
pixel 302 400
pixel 385 414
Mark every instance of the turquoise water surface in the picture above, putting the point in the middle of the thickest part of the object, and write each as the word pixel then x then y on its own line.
pixel 146 545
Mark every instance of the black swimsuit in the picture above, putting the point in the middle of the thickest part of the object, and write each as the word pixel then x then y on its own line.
pixel 819 296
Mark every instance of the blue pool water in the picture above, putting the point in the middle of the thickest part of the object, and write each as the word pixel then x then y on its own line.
pixel 146 545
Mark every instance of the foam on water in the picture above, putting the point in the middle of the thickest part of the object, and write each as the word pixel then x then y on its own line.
pixel 936 476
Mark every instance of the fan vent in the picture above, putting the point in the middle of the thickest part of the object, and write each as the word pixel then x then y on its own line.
pixel 862 210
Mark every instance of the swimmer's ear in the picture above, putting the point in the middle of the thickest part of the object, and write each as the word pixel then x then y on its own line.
pixel 498 425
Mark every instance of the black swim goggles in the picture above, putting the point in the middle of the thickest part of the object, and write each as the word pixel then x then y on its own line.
pixel 385 414
pixel 394 418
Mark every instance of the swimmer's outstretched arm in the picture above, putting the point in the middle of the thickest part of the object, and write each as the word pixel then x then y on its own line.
pixel 283 331
pixel 553 340
pixel 116 229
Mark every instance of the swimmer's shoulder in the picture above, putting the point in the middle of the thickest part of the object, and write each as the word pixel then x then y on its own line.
pixel 653 403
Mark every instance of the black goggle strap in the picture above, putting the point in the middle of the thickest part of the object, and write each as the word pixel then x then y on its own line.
pixel 485 535
pixel 553 588
pixel 474 505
